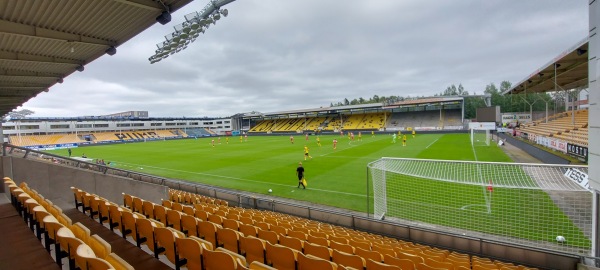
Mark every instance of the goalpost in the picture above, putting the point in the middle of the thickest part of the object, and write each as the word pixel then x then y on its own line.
pixel 480 133
pixel 480 137
pixel 527 204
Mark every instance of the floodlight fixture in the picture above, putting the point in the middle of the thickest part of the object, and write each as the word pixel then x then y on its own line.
pixel 80 68
pixel 60 80
pixel 557 65
pixel 186 32
pixel 581 51
pixel 540 74
pixel 529 81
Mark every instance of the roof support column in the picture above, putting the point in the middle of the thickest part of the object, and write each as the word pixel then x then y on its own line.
pixel 594 122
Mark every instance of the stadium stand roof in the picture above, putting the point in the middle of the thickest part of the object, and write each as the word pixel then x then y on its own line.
pixel 421 101
pixel 43 42
pixel 571 72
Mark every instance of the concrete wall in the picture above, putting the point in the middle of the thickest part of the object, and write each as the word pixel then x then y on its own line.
pixel 542 155
pixel 54 182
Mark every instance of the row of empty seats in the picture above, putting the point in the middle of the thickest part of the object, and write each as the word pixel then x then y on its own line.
pixel 27 140
pixel 72 242
pixel 568 126
pixel 341 246
pixel 160 230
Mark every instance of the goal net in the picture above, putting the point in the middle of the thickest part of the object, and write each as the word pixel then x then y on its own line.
pixel 527 204
pixel 480 137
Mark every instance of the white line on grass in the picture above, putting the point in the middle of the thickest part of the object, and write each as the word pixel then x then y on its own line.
pixel 241 179
pixel 432 143
pixel 351 146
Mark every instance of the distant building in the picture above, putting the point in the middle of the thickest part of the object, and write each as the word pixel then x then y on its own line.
pixel 137 114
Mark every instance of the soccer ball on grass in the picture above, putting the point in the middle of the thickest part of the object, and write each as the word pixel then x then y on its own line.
pixel 560 239
pixel 270 190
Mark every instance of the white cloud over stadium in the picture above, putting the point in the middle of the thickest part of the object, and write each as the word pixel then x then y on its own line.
pixel 271 55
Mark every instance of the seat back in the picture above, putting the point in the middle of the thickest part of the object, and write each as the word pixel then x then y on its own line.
pixel 402 263
pixel 128 201
pixel 191 250
pixel 345 259
pixel 188 210
pixel 216 260
pixel 248 230
pixel 208 231
pixel 145 228
pixel 189 225
pixel 298 234
pixel 269 236
pixel 137 204
pixel 317 251
pixel 368 254
pixel 160 213
pixel 118 263
pixel 97 264
pixel 148 209
pixel 253 248
pixel 216 219
pixel 309 262
pixel 228 239
pixel 255 265
pixel 341 247
pixel 81 231
pixel 165 238
pixel 82 253
pixel 100 247
pixel 231 224
pixel 318 240
pixel 374 265
pixel 283 258
pixel 173 219
pixel 115 215
pixel 291 242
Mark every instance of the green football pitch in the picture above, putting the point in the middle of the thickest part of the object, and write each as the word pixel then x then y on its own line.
pixel 336 177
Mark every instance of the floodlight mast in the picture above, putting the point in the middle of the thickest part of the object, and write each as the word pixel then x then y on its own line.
pixel 188 31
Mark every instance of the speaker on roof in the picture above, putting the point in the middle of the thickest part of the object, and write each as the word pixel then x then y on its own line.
pixel 164 17
pixel 111 50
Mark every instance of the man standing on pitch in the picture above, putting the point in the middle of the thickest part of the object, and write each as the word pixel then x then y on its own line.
pixel 300 173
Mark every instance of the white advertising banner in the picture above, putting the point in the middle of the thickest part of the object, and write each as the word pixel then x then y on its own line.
pixel 557 144
pixel 516 117
pixel 541 140
pixel 482 125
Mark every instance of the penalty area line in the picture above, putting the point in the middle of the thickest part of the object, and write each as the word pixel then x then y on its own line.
pixel 242 179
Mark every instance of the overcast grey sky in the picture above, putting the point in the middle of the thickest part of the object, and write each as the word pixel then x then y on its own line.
pixel 273 55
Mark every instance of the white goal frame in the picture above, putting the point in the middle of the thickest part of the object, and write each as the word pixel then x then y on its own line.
pixel 489 200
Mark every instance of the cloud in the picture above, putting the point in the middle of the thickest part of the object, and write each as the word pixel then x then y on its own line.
pixel 270 55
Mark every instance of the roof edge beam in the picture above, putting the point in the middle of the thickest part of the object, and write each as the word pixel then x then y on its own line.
pixel 38 32
pixel 4 55
pixel 145 4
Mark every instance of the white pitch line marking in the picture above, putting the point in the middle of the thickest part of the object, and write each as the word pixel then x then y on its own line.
pixel 432 143
pixel 247 180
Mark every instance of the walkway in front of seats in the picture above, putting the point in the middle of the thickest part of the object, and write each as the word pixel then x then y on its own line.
pixel 19 247
pixel 135 256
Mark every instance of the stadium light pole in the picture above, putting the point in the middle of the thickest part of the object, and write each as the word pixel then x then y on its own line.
pixel 187 32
